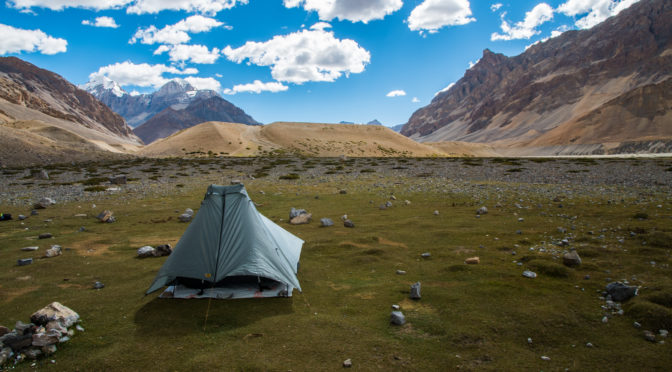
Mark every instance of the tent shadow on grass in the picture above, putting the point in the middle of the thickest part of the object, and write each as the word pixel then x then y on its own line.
pixel 171 317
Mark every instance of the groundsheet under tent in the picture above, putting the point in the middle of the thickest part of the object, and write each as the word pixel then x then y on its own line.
pixel 240 289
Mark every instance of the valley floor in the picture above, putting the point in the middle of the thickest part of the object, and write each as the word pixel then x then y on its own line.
pixel 615 212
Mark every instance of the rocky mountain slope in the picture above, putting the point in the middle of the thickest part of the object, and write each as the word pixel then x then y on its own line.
pixel 26 86
pixel 170 120
pixel 607 84
pixel 175 106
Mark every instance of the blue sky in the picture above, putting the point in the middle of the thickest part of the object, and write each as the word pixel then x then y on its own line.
pixel 287 60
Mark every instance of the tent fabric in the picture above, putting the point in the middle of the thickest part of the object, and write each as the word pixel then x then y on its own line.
pixel 229 237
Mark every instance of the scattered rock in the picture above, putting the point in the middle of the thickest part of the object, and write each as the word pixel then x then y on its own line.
pixel 482 210
pixel 185 217
pixel 472 261
pixel 4 330
pixel 34 212
pixel 24 261
pixel 189 211
pixel 146 251
pixel 649 336
pixel 106 216
pixel 118 179
pixel 436 213
pixel 636 325
pixel 344 217
pixel 29 249
pixel 347 363
pixel 415 291
pixel 401 272
pixel 44 236
pixel 301 219
pixel 605 319
pixel 392 197
pixel 571 258
pixel 407 202
pixel 342 192
pixel 236 182
pixel 55 311
pixel 54 251
pixel 388 204
pixel 98 285
pixel 163 250
pixel 44 203
pixel 621 292
pixel 529 274
pixel 589 344
pixel 296 212
pixel 44 339
pixel 396 307
pixel 663 332
pixel 426 255
pixel 397 318
pixel 22 217
pixel 326 222
pixel 348 223
pixel 544 357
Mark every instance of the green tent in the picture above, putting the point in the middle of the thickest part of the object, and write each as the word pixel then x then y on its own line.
pixel 230 250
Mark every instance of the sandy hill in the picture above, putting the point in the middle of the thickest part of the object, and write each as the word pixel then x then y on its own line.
pixel 310 139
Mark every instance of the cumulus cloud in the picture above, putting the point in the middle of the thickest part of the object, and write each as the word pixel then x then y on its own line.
pixel 432 15
pixel 177 33
pixel 351 10
pixel 201 83
pixel 195 6
pixel 306 55
pixel 189 53
pixel 593 11
pixel 495 7
pixel 62 4
pixel 396 93
pixel 257 87
pixel 142 74
pixel 134 6
pixel 415 100
pixel 527 28
pixel 17 40
pixel 101 22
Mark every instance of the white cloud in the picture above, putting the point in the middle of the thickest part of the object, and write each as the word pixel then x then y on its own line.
pixel 257 87
pixel 101 22
pixel 142 75
pixel 444 89
pixel 396 93
pixel 472 63
pixel 351 10
pixel 17 40
pixel 306 55
pixel 177 33
pixel 195 6
pixel 593 11
pixel 189 53
pixel 203 83
pixel 495 7
pixel 527 28
pixel 320 26
pixel 62 4
pixel 432 15
pixel 134 93
pixel 415 100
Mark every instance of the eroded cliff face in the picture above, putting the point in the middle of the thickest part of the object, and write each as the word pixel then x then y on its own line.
pixel 516 101
pixel 24 84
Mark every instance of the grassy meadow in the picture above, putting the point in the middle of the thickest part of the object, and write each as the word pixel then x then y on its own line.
pixel 470 317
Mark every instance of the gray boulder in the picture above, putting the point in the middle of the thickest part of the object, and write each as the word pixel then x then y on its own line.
pixel 482 210
pixel 55 311
pixel 185 217
pixel 44 236
pixel 348 223
pixel 44 203
pixel 296 212
pixel 146 251
pixel 621 292
pixel 397 318
pixel 415 291
pixel 326 222
pixel 571 259
pixel 529 274
pixel 24 261
pixel 106 216
pixel 301 219
pixel 54 251
pixel 163 250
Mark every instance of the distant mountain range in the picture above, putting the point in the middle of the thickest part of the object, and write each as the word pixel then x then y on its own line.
pixel 175 106
pixel 595 88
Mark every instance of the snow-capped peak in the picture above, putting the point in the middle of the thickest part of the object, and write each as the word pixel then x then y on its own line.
pixel 104 83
